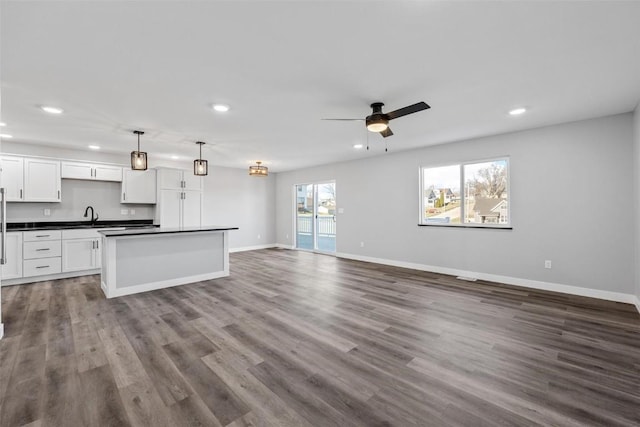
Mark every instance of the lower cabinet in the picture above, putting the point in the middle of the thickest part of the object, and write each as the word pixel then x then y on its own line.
pixel 80 250
pixel 13 268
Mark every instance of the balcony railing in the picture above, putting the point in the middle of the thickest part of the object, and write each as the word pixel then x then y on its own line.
pixel 326 237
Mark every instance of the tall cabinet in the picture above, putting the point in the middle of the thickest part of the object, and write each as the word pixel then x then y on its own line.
pixel 179 201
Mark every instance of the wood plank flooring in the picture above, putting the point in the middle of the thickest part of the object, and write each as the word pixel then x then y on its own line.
pixel 297 339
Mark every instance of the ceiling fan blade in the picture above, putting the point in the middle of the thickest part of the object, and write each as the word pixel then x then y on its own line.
pixel 408 110
pixel 346 120
pixel 387 132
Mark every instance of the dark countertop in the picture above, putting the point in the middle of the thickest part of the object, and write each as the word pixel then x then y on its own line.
pixel 62 225
pixel 161 230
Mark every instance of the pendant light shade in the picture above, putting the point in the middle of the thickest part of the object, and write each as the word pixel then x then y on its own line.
pixel 258 170
pixel 200 167
pixel 138 158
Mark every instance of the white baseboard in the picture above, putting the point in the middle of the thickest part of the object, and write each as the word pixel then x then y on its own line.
pixel 283 246
pixel 1 330
pixel 534 284
pixel 252 248
pixel 34 279
pixel 637 302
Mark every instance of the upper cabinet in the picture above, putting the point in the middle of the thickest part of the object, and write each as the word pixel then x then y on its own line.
pixel 91 171
pixel 138 186
pixel 12 177
pixel 177 179
pixel 41 180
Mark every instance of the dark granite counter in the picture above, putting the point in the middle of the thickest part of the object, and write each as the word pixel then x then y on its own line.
pixel 62 225
pixel 163 230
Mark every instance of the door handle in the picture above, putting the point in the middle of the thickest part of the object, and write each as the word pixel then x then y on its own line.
pixel 43 249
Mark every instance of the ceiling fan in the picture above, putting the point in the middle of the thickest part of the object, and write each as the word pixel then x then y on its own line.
pixel 379 121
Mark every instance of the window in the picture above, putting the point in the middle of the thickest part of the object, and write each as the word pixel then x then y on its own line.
pixel 474 194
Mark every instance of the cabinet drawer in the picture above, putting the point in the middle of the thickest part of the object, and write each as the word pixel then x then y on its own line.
pixel 42 266
pixel 37 236
pixel 44 249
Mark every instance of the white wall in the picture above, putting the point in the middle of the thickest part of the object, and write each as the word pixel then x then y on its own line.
pixel 234 198
pixel 636 195
pixel 570 187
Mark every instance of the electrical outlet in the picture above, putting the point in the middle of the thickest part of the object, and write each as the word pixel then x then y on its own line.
pixel 47 212
pixel 340 210
pixel 287 236
pixel 362 244
pixel 132 212
pixel 124 211
pixel 547 264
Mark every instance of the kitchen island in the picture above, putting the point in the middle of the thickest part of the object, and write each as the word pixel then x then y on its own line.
pixel 143 260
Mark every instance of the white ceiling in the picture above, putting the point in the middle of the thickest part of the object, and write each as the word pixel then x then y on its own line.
pixel 282 66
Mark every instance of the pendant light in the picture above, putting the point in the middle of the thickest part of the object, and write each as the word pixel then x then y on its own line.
pixel 200 167
pixel 258 170
pixel 138 158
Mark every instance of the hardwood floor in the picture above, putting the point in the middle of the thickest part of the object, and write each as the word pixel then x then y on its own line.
pixel 297 339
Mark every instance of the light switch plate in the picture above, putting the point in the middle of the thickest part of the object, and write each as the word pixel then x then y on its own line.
pixel 124 211
pixel 132 212
pixel 47 212
pixel 340 210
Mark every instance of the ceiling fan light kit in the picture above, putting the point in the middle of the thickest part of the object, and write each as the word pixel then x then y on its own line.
pixel 138 158
pixel 379 122
pixel 258 170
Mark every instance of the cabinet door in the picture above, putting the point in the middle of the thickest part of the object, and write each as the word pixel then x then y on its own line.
pixel 192 182
pixel 139 186
pixel 191 208
pixel 78 254
pixel 41 180
pixel 12 177
pixel 73 170
pixel 169 208
pixel 107 173
pixel 13 268
pixel 170 179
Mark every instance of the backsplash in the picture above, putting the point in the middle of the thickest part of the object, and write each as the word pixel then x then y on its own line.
pixel 76 196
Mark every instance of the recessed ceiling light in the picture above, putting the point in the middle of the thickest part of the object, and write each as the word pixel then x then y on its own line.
pixel 221 108
pixel 52 110
pixel 2 124
pixel 175 157
pixel 358 146
pixel 94 147
pixel 5 135
pixel 517 111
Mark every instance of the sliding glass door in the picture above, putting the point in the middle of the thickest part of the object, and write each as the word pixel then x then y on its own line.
pixel 316 217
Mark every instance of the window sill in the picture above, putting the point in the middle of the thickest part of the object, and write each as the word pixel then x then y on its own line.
pixel 489 227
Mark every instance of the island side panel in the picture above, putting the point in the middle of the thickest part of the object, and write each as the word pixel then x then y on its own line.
pixel 146 262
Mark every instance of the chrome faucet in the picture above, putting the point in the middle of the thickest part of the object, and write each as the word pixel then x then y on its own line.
pixel 86 214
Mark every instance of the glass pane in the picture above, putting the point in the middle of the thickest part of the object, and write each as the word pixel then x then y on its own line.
pixel 304 216
pixel 326 217
pixel 441 195
pixel 486 192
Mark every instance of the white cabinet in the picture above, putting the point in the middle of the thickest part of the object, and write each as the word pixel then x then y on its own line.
pixel 139 186
pixel 107 173
pixel 80 250
pixel 92 172
pixel 13 268
pixel 191 208
pixel 79 254
pixel 41 180
pixel 179 198
pixel 178 179
pixel 12 177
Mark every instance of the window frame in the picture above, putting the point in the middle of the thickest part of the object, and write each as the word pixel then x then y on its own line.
pixel 504 226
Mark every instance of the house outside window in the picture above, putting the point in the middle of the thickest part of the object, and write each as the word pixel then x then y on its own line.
pixel 472 194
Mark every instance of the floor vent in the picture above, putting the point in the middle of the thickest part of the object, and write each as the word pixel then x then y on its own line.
pixel 468 279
